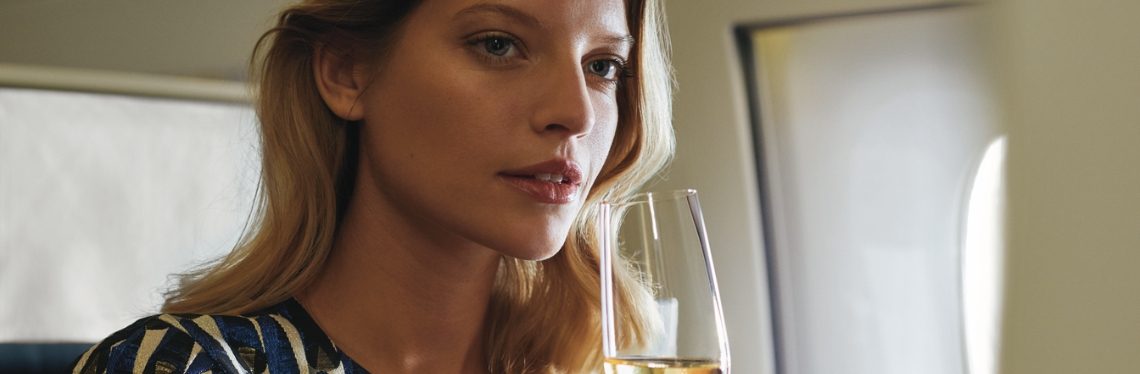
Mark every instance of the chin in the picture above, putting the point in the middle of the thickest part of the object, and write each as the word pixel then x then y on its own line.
pixel 528 238
pixel 535 251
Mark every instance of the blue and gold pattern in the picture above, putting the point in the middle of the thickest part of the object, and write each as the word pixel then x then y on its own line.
pixel 279 339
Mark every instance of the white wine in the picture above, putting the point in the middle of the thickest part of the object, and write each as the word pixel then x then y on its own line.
pixel 647 365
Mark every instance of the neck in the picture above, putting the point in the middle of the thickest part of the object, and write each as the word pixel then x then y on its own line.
pixel 398 299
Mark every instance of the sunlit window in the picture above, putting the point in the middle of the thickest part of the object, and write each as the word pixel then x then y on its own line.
pixel 983 260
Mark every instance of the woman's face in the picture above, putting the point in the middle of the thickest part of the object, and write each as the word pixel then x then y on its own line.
pixel 489 120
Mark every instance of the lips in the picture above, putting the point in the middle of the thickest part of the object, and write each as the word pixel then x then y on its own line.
pixel 552 182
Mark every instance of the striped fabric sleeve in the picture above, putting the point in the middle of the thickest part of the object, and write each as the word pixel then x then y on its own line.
pixel 150 345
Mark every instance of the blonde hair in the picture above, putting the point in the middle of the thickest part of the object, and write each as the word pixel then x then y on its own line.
pixel 302 140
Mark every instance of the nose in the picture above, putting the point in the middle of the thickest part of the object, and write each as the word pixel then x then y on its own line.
pixel 563 105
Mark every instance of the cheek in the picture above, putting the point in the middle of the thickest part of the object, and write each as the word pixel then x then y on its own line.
pixel 601 138
pixel 441 118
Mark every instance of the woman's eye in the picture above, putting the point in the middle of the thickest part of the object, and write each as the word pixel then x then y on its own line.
pixel 497 46
pixel 607 69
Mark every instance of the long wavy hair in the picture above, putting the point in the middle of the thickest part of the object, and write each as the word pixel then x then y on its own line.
pixel 292 231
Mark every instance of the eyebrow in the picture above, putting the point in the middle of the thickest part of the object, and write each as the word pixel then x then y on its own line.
pixel 624 40
pixel 507 11
pixel 529 20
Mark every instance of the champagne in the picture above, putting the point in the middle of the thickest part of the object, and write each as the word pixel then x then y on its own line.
pixel 646 365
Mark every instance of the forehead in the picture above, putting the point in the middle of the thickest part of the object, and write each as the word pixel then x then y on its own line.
pixel 588 16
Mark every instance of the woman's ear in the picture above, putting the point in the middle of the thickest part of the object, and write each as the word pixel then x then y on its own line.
pixel 339 81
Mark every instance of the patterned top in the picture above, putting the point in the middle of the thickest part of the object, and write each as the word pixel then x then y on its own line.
pixel 280 339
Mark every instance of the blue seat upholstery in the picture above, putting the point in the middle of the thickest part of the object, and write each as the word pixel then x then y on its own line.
pixel 35 358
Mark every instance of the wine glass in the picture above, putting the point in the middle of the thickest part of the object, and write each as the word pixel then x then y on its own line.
pixel 661 311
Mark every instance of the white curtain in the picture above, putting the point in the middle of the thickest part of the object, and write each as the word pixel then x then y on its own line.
pixel 873 129
pixel 103 197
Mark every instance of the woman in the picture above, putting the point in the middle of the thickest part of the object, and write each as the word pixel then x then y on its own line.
pixel 430 174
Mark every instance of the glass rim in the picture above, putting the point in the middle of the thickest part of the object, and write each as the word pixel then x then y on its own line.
pixel 653 196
